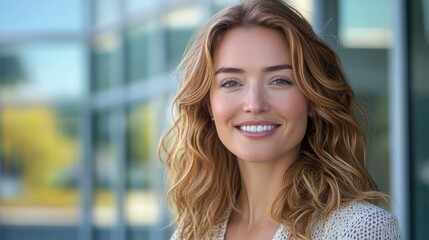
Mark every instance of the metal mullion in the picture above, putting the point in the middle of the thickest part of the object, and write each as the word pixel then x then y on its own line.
pixel 1 143
pixel 85 229
pixel 158 47
pixel 120 231
pixel 87 178
pixel 118 127
pixel 399 116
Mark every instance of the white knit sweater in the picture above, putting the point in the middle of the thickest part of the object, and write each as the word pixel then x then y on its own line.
pixel 358 220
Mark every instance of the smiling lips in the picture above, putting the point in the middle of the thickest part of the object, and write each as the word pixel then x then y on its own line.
pixel 257 130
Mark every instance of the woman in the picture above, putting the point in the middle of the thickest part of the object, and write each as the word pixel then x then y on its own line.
pixel 265 144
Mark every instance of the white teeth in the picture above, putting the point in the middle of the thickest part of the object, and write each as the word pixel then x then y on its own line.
pixel 257 128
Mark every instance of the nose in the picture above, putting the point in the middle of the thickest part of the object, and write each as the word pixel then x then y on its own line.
pixel 256 100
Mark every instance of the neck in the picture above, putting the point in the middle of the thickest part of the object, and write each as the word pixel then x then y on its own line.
pixel 260 184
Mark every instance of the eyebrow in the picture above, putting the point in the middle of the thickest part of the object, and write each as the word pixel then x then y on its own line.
pixel 277 68
pixel 267 69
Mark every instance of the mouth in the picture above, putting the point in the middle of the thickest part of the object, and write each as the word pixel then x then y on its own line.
pixel 258 128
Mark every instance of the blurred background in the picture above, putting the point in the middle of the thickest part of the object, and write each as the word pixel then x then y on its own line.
pixel 85 87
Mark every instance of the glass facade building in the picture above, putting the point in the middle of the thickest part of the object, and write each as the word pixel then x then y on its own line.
pixel 85 89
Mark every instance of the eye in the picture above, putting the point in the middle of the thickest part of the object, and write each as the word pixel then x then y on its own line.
pixel 281 81
pixel 229 83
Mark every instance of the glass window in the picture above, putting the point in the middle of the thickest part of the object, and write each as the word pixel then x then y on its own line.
pixel 303 6
pixel 105 57
pixel 39 122
pixel 106 12
pixel 221 4
pixel 143 169
pixel 143 52
pixel 362 26
pixel 419 57
pixel 138 5
pixel 33 71
pixel 181 24
pixel 365 63
pixel 105 160
pixel 47 15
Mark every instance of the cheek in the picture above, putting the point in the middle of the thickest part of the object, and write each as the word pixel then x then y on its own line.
pixel 295 113
pixel 222 112
pixel 221 107
pixel 300 109
pixel 295 107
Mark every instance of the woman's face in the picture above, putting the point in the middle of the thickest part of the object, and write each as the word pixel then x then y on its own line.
pixel 259 111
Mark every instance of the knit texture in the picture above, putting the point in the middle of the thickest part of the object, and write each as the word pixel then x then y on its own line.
pixel 358 220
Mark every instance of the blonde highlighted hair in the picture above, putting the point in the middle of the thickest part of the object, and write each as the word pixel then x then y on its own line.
pixel 203 175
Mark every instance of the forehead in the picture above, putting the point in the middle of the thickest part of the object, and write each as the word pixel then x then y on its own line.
pixel 255 45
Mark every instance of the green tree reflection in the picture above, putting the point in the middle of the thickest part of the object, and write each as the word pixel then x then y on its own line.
pixel 34 144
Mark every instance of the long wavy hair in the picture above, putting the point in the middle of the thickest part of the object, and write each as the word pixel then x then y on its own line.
pixel 204 176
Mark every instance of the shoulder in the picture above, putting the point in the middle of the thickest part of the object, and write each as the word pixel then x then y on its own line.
pixel 175 235
pixel 217 234
pixel 359 220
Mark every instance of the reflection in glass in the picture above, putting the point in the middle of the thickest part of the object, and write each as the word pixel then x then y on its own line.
pixel 43 16
pixel 419 58
pixel 105 170
pixel 142 204
pixel 105 62
pixel 181 24
pixel 142 56
pixel 106 12
pixel 137 5
pixel 33 71
pixel 144 199
pixel 39 165
pixel 371 31
pixel 39 144
pixel 218 5
pixel 369 85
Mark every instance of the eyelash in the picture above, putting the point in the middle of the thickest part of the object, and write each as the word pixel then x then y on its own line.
pixel 227 83
pixel 231 83
pixel 285 81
